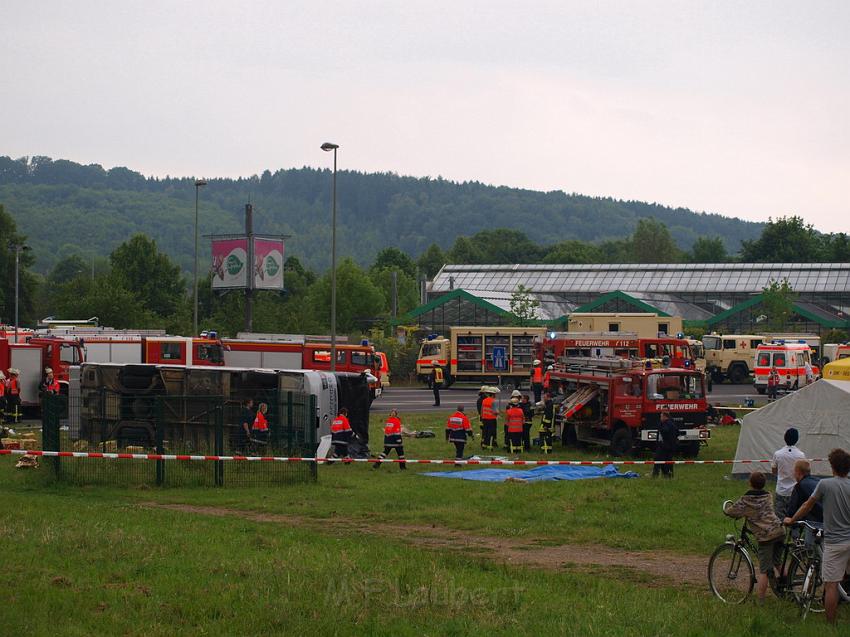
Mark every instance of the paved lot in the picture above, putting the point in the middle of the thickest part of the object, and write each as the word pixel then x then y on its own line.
pixel 416 399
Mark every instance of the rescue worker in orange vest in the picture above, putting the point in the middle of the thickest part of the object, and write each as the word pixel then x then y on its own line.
pixel 772 384
pixel 13 395
pixel 49 385
pixel 489 417
pixel 537 379
pixel 547 379
pixel 458 430
pixel 260 428
pixel 436 382
pixel 507 437
pixel 528 421
pixel 515 422
pixel 392 440
pixel 341 434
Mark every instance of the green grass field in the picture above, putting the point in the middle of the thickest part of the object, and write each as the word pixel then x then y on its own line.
pixel 377 552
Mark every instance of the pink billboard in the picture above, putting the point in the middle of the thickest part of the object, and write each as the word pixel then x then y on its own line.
pixel 268 264
pixel 230 263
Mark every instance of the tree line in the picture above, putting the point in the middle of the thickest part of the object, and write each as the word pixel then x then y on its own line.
pixel 67 208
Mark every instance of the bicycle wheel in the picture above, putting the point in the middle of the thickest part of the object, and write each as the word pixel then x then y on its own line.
pixel 731 575
pixel 798 585
pixel 811 597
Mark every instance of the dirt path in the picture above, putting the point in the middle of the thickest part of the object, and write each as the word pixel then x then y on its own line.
pixel 651 568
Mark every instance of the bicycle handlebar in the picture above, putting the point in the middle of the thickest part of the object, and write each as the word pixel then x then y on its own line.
pixel 814 526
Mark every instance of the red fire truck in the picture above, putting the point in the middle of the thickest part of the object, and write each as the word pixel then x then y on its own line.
pixel 617 402
pixel 558 345
pixel 789 358
pixel 295 353
pixel 32 357
pixel 172 350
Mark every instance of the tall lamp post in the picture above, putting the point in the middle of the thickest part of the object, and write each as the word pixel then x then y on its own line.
pixel 327 147
pixel 18 248
pixel 198 184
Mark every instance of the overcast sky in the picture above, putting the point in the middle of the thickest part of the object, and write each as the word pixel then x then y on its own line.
pixel 736 107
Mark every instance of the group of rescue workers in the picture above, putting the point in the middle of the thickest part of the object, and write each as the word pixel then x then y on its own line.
pixel 10 392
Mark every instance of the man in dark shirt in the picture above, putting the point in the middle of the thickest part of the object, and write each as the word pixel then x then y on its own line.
pixel 803 490
pixel 668 439
pixel 243 431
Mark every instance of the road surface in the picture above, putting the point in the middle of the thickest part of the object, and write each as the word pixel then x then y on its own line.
pixel 416 399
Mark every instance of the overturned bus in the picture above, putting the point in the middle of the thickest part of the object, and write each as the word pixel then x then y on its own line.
pixel 200 409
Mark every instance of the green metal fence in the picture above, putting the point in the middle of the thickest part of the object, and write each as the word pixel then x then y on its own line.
pixel 105 421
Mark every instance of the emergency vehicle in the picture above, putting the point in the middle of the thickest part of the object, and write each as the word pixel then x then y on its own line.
pixel 296 353
pixel 481 354
pixel 170 350
pixel 790 360
pixel 667 351
pixel 32 357
pixel 835 352
pixel 617 402
pixel 730 356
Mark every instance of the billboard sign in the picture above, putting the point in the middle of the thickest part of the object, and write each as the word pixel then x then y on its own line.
pixel 268 264
pixel 230 263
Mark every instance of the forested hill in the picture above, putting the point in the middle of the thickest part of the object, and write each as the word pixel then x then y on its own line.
pixel 66 208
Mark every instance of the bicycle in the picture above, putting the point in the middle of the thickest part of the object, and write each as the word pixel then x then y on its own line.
pixel 732 575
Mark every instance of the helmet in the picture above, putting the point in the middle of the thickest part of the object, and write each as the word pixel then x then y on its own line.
pixel 550 368
pixel 536 361
pixel 515 394
pixel 483 389
pixel 48 370
pixel 492 390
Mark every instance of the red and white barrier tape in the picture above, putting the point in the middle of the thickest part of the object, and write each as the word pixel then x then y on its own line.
pixel 526 463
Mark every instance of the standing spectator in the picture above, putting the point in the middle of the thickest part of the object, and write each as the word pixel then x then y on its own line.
pixel 537 379
pixel 783 469
pixel 834 495
pixel 489 419
pixel 668 439
pixel 436 382
pixel 482 394
pixel 457 431
pixel 528 421
pixel 392 440
pixel 762 521
pixel 260 428
pixel 341 434
pixel 810 373
pixel 772 384
pixel 803 490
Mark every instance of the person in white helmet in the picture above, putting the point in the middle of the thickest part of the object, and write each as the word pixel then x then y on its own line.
pixel 537 379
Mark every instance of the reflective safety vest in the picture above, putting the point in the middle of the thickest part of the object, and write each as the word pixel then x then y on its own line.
pixel 537 375
pixel 458 425
pixel 547 380
pixel 392 427
pixel 52 387
pixel 438 374
pixel 516 418
pixel 488 412
pixel 548 413
pixel 340 424
pixel 2 388
pixel 14 387
pixel 260 422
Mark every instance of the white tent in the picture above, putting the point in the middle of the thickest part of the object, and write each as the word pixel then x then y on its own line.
pixel 820 412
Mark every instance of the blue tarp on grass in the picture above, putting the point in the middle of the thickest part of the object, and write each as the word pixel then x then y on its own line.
pixel 538 474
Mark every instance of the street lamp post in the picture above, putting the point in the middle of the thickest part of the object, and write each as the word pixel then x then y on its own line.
pixel 327 147
pixel 198 184
pixel 18 248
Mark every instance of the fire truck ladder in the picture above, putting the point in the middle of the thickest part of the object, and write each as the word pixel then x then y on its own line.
pixel 578 400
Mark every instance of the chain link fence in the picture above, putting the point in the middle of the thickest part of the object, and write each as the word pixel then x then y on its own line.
pixel 110 422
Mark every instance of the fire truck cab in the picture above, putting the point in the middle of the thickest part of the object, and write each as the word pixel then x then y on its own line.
pixel 789 359
pixel 618 403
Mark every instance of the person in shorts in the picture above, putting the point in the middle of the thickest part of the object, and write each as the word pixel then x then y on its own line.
pixel 834 496
pixel 757 507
